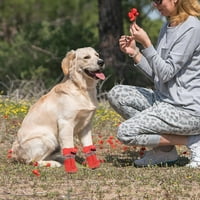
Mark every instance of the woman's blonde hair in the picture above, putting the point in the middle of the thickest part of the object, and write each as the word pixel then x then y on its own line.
pixel 185 8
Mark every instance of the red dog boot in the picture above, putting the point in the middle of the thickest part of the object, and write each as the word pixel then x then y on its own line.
pixel 69 163
pixel 91 156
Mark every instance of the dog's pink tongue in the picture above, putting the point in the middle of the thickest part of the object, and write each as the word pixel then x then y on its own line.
pixel 100 76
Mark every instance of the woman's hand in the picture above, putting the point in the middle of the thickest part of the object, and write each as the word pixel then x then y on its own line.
pixel 139 35
pixel 127 44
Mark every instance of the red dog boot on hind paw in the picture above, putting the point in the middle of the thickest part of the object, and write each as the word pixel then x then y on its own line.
pixel 91 156
pixel 69 162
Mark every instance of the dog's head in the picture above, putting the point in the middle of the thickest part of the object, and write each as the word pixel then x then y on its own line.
pixel 85 62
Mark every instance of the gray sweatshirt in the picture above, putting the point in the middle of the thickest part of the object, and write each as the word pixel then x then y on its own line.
pixel 175 66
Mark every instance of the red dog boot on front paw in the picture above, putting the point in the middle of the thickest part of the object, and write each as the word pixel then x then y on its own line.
pixel 91 156
pixel 69 162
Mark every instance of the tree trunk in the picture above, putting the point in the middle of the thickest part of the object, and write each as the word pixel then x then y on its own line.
pixel 110 30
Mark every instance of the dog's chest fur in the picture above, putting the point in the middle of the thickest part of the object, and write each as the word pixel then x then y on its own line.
pixel 86 110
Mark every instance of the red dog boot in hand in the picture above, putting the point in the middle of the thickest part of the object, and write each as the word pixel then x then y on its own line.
pixel 91 156
pixel 70 163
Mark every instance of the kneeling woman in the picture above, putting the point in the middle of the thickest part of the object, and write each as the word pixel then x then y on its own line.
pixel 170 114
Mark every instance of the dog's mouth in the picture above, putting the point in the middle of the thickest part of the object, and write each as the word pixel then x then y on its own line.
pixel 95 74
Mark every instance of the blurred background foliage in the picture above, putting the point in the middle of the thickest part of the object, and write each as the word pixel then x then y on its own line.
pixel 36 35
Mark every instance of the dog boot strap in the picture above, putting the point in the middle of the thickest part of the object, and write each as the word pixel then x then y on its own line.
pixel 69 162
pixel 91 157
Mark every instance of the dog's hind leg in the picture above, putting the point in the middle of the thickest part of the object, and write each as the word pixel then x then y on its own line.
pixel 36 150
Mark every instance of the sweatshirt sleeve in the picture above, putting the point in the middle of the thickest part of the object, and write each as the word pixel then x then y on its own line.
pixel 177 57
pixel 145 68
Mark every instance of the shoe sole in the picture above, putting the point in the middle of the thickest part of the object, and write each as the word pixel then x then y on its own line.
pixel 193 166
pixel 163 164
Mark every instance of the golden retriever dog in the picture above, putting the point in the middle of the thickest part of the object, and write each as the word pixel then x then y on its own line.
pixel 65 111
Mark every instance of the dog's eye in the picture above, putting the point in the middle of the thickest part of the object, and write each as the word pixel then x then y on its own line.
pixel 87 57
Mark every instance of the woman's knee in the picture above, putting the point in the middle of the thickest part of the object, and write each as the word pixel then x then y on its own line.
pixel 113 94
pixel 124 135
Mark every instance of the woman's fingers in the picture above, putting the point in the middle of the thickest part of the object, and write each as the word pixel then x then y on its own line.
pixel 127 44
pixel 136 27
pixel 125 40
pixel 132 30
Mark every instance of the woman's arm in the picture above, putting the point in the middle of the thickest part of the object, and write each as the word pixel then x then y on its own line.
pixel 177 57
pixel 128 46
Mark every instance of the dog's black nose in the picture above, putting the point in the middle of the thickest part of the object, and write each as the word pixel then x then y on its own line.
pixel 100 62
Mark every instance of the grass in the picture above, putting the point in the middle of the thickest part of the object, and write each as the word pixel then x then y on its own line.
pixel 116 179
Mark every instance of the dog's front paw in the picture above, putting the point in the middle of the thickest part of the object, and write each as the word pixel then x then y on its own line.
pixel 69 162
pixel 91 157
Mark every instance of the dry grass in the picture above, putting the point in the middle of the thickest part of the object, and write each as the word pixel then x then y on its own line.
pixel 116 179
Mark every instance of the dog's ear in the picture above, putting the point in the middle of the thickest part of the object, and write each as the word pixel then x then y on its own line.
pixel 66 62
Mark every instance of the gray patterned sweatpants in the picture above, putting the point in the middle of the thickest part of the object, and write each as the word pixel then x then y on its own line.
pixel 147 117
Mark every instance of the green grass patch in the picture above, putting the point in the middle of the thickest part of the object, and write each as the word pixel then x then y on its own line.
pixel 116 179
